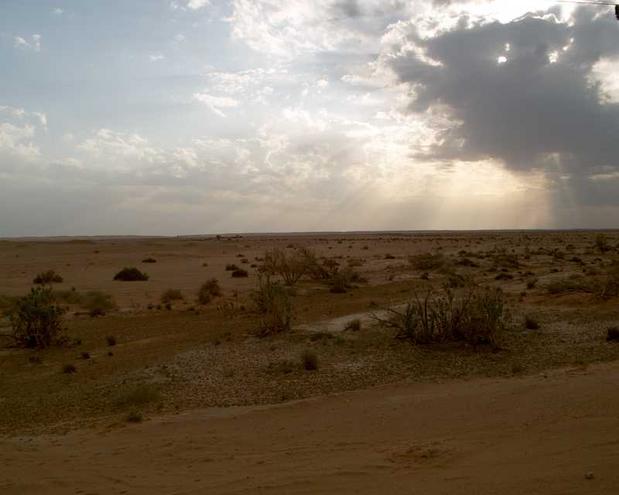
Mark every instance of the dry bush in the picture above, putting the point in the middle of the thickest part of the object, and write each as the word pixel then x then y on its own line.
pixel 289 266
pixel 97 303
pixel 609 286
pixel 573 283
pixel 474 316
pixel 171 295
pixel 274 306
pixel 309 360
pixel 427 261
pixel 36 320
pixel 47 277
pixel 209 290
pixel 131 275
pixel 602 244
pixel 138 395
pixel 240 273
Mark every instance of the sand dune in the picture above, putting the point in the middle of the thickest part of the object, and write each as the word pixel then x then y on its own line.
pixel 539 434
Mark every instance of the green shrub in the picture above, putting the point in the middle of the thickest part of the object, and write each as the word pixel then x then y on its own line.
pixel 273 304
pixel 36 320
pixel 474 316
pixel 209 290
pixel 131 275
pixel 48 277
pixel 171 295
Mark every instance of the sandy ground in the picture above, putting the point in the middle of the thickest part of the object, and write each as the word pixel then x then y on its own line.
pixel 539 434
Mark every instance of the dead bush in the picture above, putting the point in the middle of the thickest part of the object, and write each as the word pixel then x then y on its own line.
pixel 209 290
pixel 47 277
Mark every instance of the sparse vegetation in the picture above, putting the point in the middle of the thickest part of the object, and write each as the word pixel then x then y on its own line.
pixel 474 316
pixel 69 369
pixel 208 291
pixel 131 275
pixel 36 320
pixel 110 340
pixel 274 306
pixel 427 261
pixel 149 260
pixel 47 277
pixel 171 295
pixel 309 360
pixel 353 325
pixel 531 323
pixel 137 396
pixel 240 273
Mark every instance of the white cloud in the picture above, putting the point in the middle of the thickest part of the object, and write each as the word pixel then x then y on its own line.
pixel 216 103
pixel 58 11
pixel 155 57
pixel 33 44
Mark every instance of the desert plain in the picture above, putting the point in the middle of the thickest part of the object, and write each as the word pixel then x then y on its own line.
pixel 156 391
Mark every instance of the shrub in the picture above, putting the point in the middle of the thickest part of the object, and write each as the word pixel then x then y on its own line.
pixel 135 417
pixel 149 260
pixel 274 306
pixel 230 267
pixel 530 323
pixel 208 290
pixel 609 286
pixel 309 360
pixel 69 369
pixel 602 244
pixel 48 277
pixel 612 334
pixel 353 325
pixel 7 303
pixel 290 266
pixel 97 303
pixel 474 316
pixel 171 295
pixel 139 395
pixel 36 320
pixel 573 283
pixel 131 275
pixel 110 340
pixel 240 273
pixel 531 283
pixel 427 261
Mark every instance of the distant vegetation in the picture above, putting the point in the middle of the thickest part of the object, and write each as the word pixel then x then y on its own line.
pixel 47 277
pixel 131 275
pixel 209 290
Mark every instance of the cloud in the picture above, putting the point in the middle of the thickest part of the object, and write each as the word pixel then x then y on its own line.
pixel 156 57
pixel 216 103
pixel 18 129
pixel 523 93
pixel 33 44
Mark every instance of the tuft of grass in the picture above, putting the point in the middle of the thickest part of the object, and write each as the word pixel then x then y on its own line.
pixel 240 273
pixel 110 340
pixel 149 260
pixel 47 277
pixel 131 274
pixel 309 360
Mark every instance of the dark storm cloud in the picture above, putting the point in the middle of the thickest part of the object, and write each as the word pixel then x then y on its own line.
pixel 527 112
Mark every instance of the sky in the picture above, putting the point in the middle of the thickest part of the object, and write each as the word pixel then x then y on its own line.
pixel 168 117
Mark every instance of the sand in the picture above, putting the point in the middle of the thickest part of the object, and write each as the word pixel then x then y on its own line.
pixel 539 434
